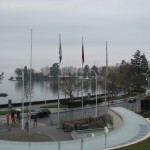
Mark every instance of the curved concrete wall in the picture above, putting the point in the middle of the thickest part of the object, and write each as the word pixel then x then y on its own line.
pixel 117 119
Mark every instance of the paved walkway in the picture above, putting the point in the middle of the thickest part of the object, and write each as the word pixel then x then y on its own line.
pixel 39 133
pixel 134 128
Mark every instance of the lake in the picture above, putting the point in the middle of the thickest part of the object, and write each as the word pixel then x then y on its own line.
pixel 41 90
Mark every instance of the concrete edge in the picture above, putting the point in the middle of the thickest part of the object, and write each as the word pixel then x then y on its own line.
pixel 135 142
pixel 125 145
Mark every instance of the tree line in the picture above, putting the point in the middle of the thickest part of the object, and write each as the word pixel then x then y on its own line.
pixel 127 76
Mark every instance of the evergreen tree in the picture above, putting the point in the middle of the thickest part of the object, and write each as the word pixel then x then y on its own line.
pixel 140 68
pixel 136 62
pixel 54 70
pixel 85 71
pixel 144 64
pixel 94 68
pixel 139 63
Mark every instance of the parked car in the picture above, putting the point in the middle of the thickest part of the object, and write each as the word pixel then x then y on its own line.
pixel 41 112
pixel 131 100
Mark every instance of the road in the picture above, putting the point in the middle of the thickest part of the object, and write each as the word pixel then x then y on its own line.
pixel 87 111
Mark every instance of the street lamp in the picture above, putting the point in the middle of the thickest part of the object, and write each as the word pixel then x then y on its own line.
pixel 58 92
pixel 96 90
pixel 22 101
pixel 9 107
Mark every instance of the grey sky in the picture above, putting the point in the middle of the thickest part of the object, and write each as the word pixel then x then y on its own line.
pixel 123 23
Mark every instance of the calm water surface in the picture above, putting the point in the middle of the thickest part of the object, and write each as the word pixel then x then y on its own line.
pixel 41 90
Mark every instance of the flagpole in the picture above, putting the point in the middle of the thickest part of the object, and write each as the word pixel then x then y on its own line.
pixel 82 92
pixel 106 60
pixel 106 74
pixel 30 84
pixel 60 57
pixel 58 91
pixel 82 76
pixel 22 127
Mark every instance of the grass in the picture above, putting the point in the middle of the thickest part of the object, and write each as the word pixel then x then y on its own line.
pixel 54 106
pixel 144 145
pixel 123 96
pixel 3 112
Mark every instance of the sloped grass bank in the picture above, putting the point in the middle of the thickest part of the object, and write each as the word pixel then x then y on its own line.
pixel 144 145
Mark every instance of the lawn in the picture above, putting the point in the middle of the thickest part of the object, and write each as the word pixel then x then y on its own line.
pixel 144 145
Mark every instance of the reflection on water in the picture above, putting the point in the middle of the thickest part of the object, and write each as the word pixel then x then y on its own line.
pixel 41 90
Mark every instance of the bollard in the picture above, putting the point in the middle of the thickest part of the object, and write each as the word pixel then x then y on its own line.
pixel 81 144
pixel 59 146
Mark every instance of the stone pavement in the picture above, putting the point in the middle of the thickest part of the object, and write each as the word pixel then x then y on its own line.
pixel 39 133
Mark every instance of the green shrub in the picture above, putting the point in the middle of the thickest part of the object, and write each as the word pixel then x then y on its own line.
pixel 146 114
pixel 78 103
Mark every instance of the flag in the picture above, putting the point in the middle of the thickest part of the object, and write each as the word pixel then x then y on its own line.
pixel 106 60
pixel 82 52
pixel 60 50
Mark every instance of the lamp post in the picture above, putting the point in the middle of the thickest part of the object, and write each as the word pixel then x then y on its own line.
pixel 58 93
pixel 96 90
pixel 60 58
pixel 29 125
pixel 9 108
pixel 22 101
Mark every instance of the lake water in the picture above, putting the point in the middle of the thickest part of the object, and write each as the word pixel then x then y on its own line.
pixel 41 90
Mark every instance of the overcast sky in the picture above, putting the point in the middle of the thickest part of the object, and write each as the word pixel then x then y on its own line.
pixel 125 24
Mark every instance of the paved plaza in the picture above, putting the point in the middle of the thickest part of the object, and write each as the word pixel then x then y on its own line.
pixel 40 133
pixel 129 128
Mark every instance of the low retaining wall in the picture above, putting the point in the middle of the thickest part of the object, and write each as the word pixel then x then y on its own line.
pixel 117 119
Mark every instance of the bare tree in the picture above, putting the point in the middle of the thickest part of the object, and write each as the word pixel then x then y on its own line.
pixel 27 93
pixel 63 72
pixel 45 70
pixel 69 85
